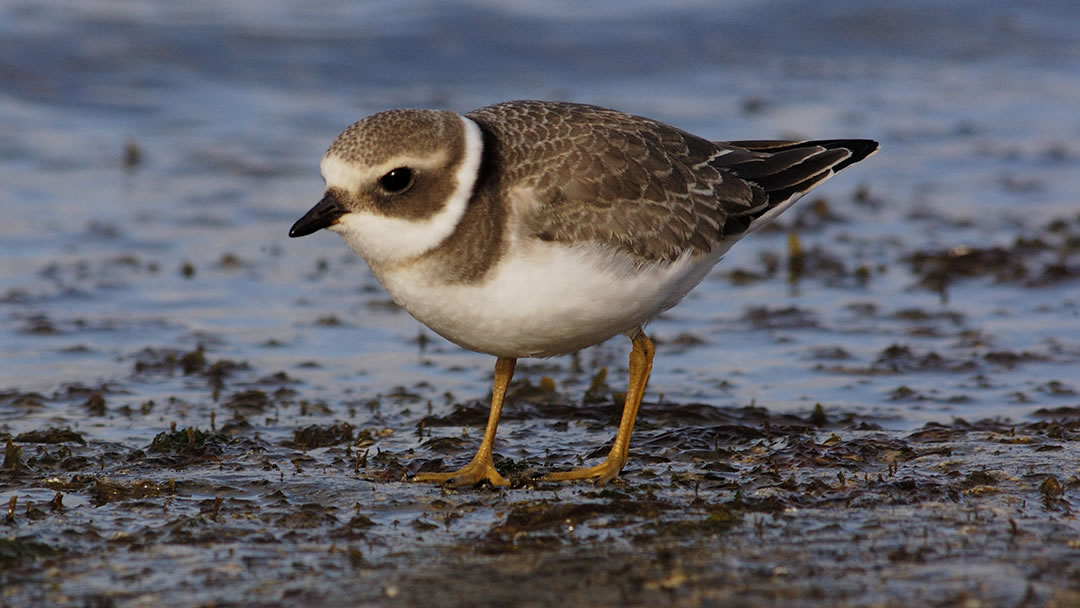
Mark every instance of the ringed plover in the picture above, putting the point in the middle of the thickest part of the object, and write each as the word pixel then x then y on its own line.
pixel 536 228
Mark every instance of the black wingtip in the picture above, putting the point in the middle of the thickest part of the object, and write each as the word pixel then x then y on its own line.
pixel 860 149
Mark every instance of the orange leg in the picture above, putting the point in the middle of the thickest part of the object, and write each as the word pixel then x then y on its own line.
pixel 641 358
pixel 482 467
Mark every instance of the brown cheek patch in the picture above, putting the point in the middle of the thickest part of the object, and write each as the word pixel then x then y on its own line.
pixel 431 188
pixel 426 197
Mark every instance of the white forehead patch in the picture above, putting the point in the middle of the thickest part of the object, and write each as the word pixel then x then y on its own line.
pixel 380 239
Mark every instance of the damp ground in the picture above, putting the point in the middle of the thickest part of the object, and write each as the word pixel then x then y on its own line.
pixel 873 402
pixel 275 502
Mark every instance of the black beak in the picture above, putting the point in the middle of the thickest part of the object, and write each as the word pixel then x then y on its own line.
pixel 322 215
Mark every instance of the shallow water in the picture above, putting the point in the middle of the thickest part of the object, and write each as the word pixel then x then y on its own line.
pixel 154 154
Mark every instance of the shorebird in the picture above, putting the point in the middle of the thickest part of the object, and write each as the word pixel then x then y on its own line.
pixel 536 228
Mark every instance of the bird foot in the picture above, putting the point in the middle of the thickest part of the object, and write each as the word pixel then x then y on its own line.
pixel 470 475
pixel 599 474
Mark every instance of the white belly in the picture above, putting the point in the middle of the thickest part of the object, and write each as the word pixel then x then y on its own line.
pixel 544 299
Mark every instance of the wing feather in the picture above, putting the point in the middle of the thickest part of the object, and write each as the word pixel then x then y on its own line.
pixel 646 188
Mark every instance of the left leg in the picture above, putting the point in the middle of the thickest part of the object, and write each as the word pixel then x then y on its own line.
pixel 482 467
pixel 641 358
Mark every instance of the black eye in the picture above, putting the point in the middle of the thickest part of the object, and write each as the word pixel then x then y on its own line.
pixel 397 180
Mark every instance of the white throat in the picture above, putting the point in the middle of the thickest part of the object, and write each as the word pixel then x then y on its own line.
pixel 385 240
